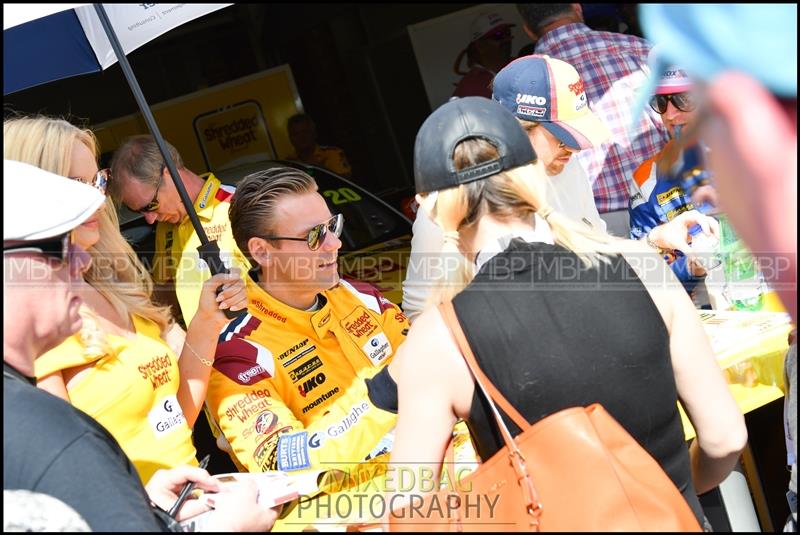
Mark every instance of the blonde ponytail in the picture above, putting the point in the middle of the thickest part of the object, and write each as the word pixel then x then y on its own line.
pixel 451 209
pixel 590 246
pixel 515 194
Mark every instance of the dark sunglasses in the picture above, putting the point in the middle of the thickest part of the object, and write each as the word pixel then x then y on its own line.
pixel 154 204
pixel 316 236
pixel 682 101
pixel 99 181
pixel 61 248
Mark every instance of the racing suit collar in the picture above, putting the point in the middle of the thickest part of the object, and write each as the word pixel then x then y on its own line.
pixel 204 203
pixel 261 303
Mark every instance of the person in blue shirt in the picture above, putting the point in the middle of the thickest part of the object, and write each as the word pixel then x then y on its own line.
pixel 663 187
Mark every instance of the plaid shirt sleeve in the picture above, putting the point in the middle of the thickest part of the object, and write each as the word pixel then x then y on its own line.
pixel 613 67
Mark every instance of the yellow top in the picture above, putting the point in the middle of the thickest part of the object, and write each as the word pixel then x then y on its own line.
pixel 176 258
pixel 132 392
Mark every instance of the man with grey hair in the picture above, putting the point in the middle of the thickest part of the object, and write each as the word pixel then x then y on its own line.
pixel 48 445
pixel 143 183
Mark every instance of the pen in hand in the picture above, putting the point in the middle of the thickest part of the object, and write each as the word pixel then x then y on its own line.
pixel 187 489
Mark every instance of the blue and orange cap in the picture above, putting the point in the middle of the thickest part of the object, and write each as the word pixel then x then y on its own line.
pixel 550 91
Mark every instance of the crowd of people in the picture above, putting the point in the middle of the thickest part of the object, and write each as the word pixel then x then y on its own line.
pixel 109 366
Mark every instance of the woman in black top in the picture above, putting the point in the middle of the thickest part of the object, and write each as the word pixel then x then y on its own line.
pixel 557 316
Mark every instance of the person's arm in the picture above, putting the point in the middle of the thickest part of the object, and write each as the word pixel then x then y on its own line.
pixel 674 235
pixel 197 356
pixel 236 506
pixel 704 394
pixel 702 390
pixel 426 248
pixel 435 387
pixel 54 384
pixel 343 436
pixel 175 337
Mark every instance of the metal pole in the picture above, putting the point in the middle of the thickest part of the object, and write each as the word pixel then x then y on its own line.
pixel 209 251
pixel 150 120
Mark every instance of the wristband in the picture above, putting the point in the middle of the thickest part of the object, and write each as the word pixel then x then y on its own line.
pixel 650 242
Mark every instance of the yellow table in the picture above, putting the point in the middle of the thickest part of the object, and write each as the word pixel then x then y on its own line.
pixel 753 363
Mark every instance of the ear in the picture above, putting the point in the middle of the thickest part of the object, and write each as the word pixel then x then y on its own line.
pixel 578 9
pixel 530 33
pixel 260 250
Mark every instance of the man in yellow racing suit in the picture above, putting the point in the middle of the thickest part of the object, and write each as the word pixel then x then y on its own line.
pixel 300 381
pixel 143 184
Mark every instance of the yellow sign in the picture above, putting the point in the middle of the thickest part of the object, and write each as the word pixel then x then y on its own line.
pixel 234 135
pixel 273 90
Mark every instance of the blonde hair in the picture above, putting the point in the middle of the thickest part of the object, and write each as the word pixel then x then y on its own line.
pixel 515 194
pixel 116 271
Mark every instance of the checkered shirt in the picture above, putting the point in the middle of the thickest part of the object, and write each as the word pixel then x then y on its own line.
pixel 613 67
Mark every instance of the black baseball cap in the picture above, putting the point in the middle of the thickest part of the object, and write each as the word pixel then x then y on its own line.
pixel 460 119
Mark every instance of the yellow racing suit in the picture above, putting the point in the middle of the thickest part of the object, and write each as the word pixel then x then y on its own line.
pixel 291 389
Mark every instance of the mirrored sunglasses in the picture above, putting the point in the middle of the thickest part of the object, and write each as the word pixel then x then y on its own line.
pixel 684 102
pixel 99 181
pixel 316 235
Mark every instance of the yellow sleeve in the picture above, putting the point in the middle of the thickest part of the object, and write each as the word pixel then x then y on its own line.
pixel 189 280
pixel 189 284
pixel 395 324
pixel 68 354
pixel 265 435
pixel 163 268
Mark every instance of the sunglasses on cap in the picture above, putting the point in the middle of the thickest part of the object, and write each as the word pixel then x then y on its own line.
pixel 682 101
pixel 99 181
pixel 61 248
pixel 316 236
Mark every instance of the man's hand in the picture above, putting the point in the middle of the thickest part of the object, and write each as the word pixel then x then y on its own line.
pixel 695 267
pixel 236 509
pixel 674 235
pixel 705 195
pixel 165 485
